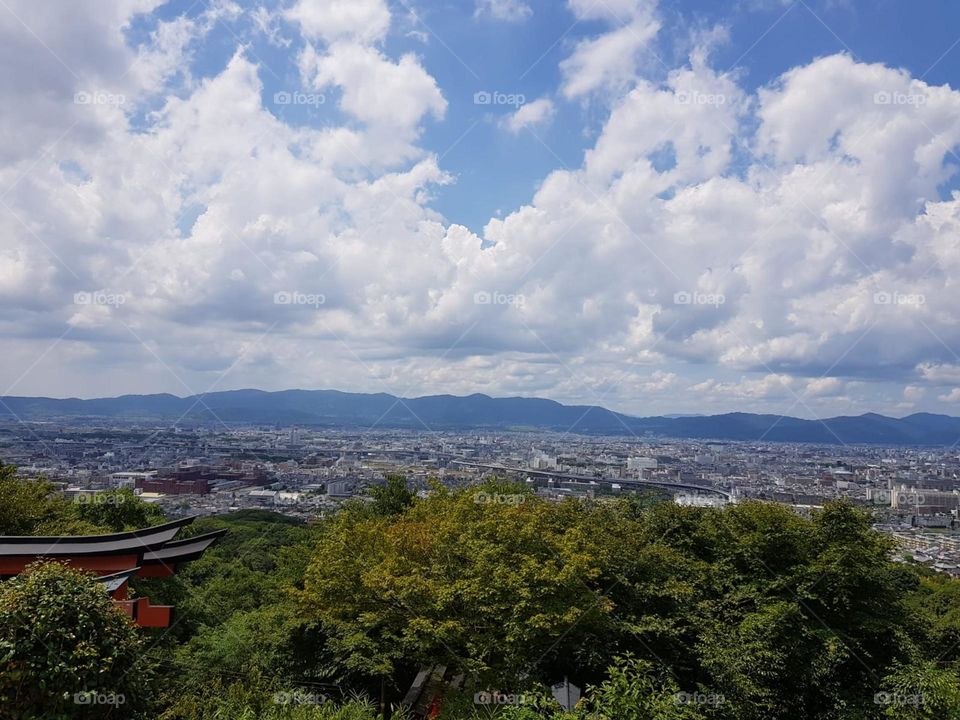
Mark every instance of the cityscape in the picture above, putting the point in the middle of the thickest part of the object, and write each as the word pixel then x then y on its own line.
pixel 913 493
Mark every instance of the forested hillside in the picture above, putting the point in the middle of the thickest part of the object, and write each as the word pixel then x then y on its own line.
pixel 658 611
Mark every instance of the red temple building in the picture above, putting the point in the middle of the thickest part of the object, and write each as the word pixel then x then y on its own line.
pixel 115 558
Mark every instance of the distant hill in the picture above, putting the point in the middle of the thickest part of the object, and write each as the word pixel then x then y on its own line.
pixel 435 412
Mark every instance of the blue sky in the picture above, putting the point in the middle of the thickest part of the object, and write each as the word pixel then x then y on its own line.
pixel 467 53
pixel 668 207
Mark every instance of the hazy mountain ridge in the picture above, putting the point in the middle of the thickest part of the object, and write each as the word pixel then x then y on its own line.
pixel 332 407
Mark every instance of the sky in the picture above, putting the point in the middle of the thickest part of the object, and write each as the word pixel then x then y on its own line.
pixel 658 207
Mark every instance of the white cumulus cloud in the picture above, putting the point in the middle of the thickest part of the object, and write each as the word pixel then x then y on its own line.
pixel 532 114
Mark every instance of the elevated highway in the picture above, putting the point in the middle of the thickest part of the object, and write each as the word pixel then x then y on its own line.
pixel 625 482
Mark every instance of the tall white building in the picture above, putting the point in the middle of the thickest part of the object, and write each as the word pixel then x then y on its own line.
pixel 542 461
pixel 641 463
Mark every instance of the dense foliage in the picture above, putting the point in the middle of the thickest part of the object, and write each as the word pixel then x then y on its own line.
pixel 32 508
pixel 66 651
pixel 657 611
pixel 780 616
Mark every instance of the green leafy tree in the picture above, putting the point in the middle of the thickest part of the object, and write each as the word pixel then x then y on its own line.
pixel 236 619
pixel 488 578
pixel 921 690
pixel 936 603
pixel 30 507
pixel 783 616
pixel 393 497
pixel 118 510
pixel 66 651
pixel 792 617
pixel 256 698
pixel 636 690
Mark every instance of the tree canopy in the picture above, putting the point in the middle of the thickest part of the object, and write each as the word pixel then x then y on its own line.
pixel 66 651
pixel 784 617
pixel 31 507
pixel 745 612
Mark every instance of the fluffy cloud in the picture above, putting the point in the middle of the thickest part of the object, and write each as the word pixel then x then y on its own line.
pixel 717 246
pixel 609 61
pixel 532 114
pixel 331 20
pixel 389 98
pixel 376 90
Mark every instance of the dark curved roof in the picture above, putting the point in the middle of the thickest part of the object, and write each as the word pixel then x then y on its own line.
pixel 134 541
pixel 182 550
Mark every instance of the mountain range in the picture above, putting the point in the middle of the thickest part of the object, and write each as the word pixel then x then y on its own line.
pixel 435 412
